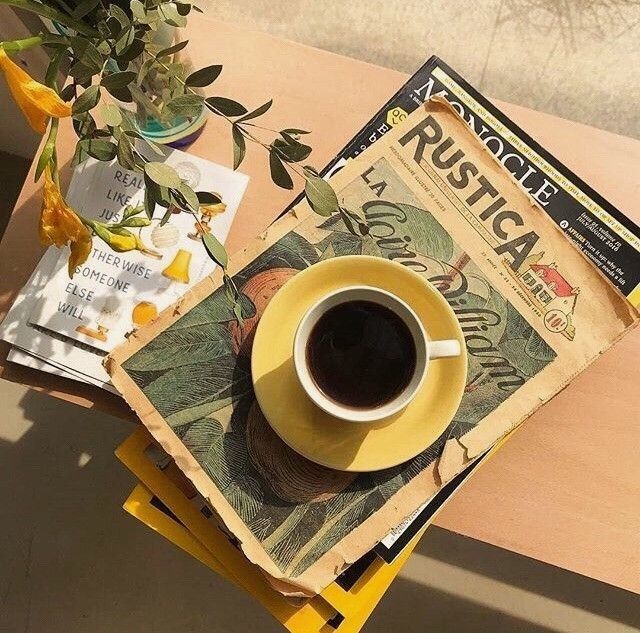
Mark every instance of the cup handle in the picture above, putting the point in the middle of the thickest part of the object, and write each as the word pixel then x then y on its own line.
pixel 444 349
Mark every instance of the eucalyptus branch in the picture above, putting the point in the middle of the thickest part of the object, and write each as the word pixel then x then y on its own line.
pixel 313 182
pixel 46 11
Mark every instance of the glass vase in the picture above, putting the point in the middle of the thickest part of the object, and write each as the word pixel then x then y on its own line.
pixel 157 86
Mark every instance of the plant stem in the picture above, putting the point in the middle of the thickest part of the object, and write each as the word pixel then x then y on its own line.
pixel 46 11
pixel 16 46
pixel 260 127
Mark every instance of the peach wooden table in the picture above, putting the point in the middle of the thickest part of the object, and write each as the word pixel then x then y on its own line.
pixel 572 503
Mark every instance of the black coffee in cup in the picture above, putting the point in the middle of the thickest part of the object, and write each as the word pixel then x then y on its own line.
pixel 361 354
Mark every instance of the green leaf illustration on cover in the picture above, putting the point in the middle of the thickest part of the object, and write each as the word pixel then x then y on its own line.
pixel 196 373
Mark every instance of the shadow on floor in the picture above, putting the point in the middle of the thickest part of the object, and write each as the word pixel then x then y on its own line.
pixel 13 171
pixel 72 561
pixel 528 574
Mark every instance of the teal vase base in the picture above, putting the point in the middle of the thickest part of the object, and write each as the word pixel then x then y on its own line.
pixel 182 134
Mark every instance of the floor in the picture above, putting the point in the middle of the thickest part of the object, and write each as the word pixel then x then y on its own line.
pixel 71 561
pixel 578 59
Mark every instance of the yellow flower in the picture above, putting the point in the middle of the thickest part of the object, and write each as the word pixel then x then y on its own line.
pixel 59 225
pixel 36 101
pixel 123 243
pixel 211 210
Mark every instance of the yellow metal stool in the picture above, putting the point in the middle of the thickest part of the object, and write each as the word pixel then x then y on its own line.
pixel 164 500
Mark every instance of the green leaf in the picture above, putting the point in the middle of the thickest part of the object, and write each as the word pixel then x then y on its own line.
pixel 101 231
pixel 154 147
pixel 203 77
pixel 118 79
pixel 279 173
pixel 125 153
pixel 78 156
pixel 163 175
pixel 239 146
pixel 145 67
pixel 347 221
pixel 84 125
pixel 164 197
pixel 136 49
pixel 87 100
pixel 208 197
pixel 166 217
pixel 124 40
pixel 137 222
pixel 183 8
pixel 292 152
pixel 227 107
pixel 309 170
pixel 293 130
pixel 137 9
pixel 82 73
pixel 150 202
pixel 166 52
pixel 131 210
pixel 99 148
pixel 186 105
pixel 237 311
pixel 116 12
pixel 320 195
pixel 68 93
pixel 230 290
pixel 190 197
pixel 215 250
pixel 169 13
pixel 155 194
pixel 85 7
pixel 291 139
pixel 87 53
pixel 121 94
pixel 257 112
pixel 103 47
pixel 120 230
pixel 128 123
pixel 111 114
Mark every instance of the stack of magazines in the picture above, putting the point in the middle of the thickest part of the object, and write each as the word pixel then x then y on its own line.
pixel 441 203
pixel 448 187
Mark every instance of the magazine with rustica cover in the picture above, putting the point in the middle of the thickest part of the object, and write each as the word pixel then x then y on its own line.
pixel 603 233
pixel 438 202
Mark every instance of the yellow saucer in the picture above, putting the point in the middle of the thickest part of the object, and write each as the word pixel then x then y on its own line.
pixel 319 436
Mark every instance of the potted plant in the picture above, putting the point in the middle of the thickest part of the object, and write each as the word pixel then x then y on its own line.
pixel 123 61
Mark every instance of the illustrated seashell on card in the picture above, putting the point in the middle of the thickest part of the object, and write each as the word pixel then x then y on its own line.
pixel 165 236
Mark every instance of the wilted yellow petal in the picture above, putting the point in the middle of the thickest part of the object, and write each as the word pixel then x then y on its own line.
pixel 46 99
pixel 80 250
pixel 37 102
pixel 59 225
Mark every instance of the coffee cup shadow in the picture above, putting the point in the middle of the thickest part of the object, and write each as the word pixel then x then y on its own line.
pixel 319 433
